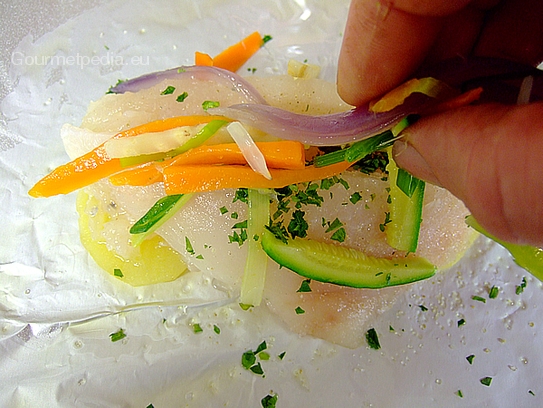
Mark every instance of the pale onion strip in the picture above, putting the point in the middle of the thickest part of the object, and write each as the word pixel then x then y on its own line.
pixel 249 149
pixel 150 143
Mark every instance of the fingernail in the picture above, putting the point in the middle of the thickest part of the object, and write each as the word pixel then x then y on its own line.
pixel 408 158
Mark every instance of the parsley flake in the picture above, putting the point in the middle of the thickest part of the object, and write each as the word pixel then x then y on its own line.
pixel 196 328
pixel 241 194
pixel 182 97
pixel 493 292
pixel 210 104
pixel 382 226
pixel 461 322
pixel 223 210
pixel 355 197
pixel 486 381
pixel 459 393
pixel 282 355
pixel 216 329
pixel 266 38
pixel 470 358
pixel 188 246
pixel 520 288
pixel 299 310
pixel 245 306
pixel 373 339
pixel 423 308
pixel 304 286
pixel 479 298
pixel 339 235
pixel 118 273
pixel 298 226
pixel 118 335
pixel 168 91
pixel 269 401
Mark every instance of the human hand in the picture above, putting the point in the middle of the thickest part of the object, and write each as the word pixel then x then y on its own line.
pixel 488 155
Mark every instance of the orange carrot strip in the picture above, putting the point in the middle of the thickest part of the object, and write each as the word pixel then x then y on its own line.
pixel 143 175
pixel 279 155
pixel 96 164
pixel 238 54
pixel 203 59
pixel 192 179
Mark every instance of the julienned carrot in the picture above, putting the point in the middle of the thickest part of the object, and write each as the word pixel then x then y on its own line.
pixel 192 179
pixel 279 155
pixel 238 54
pixel 142 175
pixel 203 59
pixel 96 164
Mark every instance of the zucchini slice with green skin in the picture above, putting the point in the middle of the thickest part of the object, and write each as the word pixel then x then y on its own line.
pixel 344 266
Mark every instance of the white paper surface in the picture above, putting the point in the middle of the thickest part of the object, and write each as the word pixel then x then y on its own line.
pixel 47 279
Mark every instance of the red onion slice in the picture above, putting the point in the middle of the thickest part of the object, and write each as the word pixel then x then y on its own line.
pixel 203 73
pixel 324 130
pixel 361 123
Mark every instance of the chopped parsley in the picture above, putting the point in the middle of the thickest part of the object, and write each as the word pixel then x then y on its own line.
pixel 382 226
pixel 333 225
pixel 339 235
pixel 118 273
pixel 298 226
pixel 304 286
pixel 493 292
pixel 210 104
pixel 299 310
pixel 373 339
pixel 168 91
pixel 234 215
pixel 223 210
pixel 423 308
pixel 196 328
pixel 355 197
pixel 531 392
pixel 479 298
pixel 241 194
pixel 461 322
pixel 486 381
pixel 459 393
pixel 241 236
pixel 216 329
pixel 188 246
pixel 245 306
pixel 470 358
pixel 282 355
pixel 269 401
pixel 249 359
pixel 118 335
pixel 182 97
pixel 520 288
pixel 266 38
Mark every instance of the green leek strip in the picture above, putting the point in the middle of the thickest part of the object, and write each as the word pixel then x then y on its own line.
pixel 362 148
pixel 405 208
pixel 199 138
pixel 254 277
pixel 526 256
pixel 157 215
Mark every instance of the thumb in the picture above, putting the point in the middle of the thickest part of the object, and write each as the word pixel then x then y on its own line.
pixel 490 157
